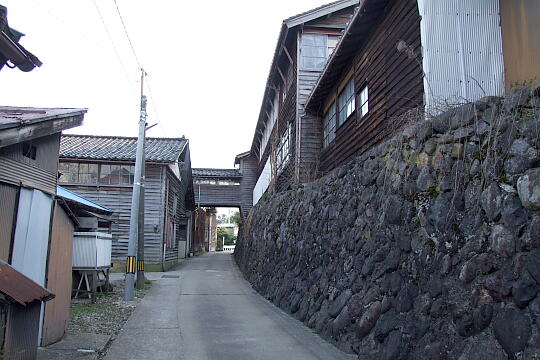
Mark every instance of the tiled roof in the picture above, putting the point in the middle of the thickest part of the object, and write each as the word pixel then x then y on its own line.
pixel 166 150
pixel 213 173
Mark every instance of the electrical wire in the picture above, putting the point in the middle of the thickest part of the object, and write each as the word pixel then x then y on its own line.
pixel 127 34
pixel 114 47
pixel 154 108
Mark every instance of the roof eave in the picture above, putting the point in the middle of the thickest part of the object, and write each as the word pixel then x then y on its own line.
pixel 37 129
pixel 319 12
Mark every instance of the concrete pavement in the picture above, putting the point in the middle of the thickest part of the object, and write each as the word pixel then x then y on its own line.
pixel 211 313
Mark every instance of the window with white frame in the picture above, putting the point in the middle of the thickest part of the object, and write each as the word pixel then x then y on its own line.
pixel 346 105
pixel 283 150
pixel 329 125
pixel 316 49
pixel 363 102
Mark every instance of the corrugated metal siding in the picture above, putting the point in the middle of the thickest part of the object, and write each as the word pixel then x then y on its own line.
pixel 47 148
pixel 462 51
pixel 15 173
pixel 8 199
pixel 22 331
pixel 521 41
pixel 31 241
pixel 91 250
pixel 118 199
pixel 58 278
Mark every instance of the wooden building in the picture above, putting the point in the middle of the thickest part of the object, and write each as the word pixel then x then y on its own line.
pixel 101 169
pixel 30 215
pixel 281 139
pixel 425 54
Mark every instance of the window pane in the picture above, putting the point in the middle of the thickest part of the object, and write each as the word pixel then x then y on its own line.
pixel 115 174
pixel 105 174
pixel 127 174
pixel 69 172
pixel 364 105
pixel 332 43
pixel 314 51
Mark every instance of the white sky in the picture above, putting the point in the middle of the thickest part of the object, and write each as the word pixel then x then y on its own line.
pixel 207 63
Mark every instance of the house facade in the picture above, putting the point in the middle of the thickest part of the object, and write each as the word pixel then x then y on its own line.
pixel 33 223
pixel 416 54
pixel 101 169
pixel 281 140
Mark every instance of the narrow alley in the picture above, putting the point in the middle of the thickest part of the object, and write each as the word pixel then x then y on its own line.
pixel 210 312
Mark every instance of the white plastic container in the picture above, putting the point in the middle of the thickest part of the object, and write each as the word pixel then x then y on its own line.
pixel 91 250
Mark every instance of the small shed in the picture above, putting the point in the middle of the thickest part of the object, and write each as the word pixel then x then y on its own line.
pixel 20 308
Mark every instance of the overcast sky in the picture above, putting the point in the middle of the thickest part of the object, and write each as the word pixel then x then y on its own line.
pixel 207 63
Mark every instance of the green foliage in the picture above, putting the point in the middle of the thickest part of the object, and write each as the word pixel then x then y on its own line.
pixel 225 236
pixel 236 218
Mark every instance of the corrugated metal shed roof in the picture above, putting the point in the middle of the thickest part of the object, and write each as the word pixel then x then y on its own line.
pixel 20 288
pixel 162 150
pixel 214 173
pixel 11 117
pixel 71 196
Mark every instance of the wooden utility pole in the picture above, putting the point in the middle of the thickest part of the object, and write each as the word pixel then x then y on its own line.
pixel 131 261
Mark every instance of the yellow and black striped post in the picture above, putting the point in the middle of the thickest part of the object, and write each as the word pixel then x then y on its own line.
pixel 140 265
pixel 131 263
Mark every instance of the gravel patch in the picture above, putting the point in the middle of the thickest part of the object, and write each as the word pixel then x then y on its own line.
pixel 107 316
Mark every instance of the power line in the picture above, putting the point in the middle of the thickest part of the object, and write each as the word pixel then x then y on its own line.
pixel 114 47
pixel 153 103
pixel 127 34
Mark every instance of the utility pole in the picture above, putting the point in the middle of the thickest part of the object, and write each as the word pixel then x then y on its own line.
pixel 140 240
pixel 131 261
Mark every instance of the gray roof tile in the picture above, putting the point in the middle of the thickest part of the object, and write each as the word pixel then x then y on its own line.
pixel 213 173
pixel 166 150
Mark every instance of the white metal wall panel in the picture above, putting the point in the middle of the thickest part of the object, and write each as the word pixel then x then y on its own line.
pixel 31 242
pixel 91 250
pixel 262 182
pixel 462 55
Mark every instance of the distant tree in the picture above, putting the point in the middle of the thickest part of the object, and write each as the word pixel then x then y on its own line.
pixel 236 219
pixel 224 235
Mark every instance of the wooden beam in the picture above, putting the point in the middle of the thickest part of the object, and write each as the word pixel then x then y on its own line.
pixel 281 74
pixel 288 55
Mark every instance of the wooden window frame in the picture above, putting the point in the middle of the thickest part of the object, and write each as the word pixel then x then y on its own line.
pixel 350 101
pixel 362 103
pixel 327 137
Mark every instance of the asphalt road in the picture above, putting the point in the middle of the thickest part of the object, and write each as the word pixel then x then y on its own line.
pixel 211 313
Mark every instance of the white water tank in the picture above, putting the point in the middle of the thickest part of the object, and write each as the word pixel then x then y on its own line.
pixel 91 250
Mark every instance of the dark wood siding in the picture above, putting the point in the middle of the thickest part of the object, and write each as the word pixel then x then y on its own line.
pixel 394 80
pixel 248 167
pixel 118 199
pixel 174 212
pixel 217 195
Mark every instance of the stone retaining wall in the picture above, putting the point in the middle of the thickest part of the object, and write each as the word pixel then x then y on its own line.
pixel 426 247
